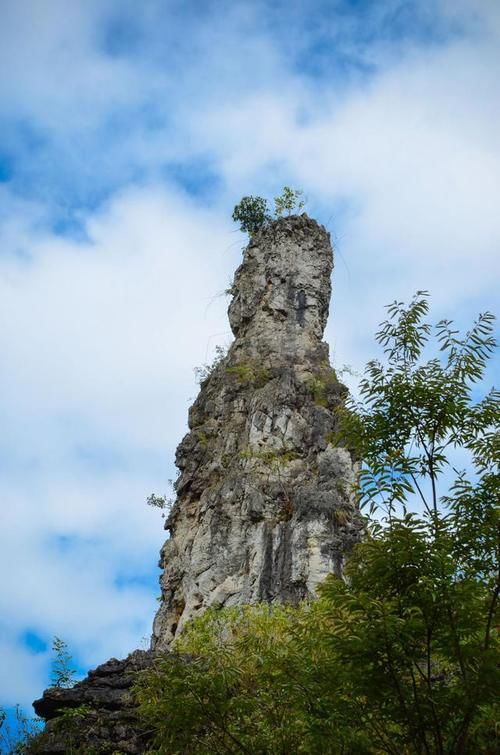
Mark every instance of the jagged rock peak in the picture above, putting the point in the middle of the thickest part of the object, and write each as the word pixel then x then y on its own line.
pixel 264 509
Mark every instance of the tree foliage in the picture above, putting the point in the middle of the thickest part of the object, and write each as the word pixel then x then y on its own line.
pixel 413 414
pixel 62 673
pixel 288 202
pixel 252 213
pixel 401 655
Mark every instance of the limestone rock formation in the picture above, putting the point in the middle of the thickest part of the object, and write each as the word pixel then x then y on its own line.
pixel 103 708
pixel 264 509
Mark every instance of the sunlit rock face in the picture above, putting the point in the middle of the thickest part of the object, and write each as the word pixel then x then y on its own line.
pixel 264 507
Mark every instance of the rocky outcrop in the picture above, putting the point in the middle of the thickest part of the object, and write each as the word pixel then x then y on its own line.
pixel 98 713
pixel 264 509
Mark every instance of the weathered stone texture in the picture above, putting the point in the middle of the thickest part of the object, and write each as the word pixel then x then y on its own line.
pixel 108 723
pixel 264 510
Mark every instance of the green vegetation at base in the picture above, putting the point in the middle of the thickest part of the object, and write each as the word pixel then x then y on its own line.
pixel 401 656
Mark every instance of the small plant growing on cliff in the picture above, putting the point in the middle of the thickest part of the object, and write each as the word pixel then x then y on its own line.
pixel 323 385
pixel 160 502
pixel 251 213
pixel 203 373
pixel 288 202
pixel 62 673
pixel 249 372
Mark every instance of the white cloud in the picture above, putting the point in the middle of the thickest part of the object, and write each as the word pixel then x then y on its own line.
pixel 56 73
pixel 21 673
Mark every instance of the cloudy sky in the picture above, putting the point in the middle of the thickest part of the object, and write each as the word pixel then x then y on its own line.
pixel 128 132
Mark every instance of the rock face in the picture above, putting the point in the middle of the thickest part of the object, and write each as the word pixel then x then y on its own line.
pixel 264 510
pixel 106 721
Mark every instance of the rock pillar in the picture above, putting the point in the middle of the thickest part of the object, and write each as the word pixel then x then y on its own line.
pixel 264 508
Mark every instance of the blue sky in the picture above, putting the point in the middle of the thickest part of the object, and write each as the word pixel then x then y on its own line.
pixel 128 131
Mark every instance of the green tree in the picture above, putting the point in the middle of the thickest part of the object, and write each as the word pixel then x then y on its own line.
pixel 425 584
pixel 413 414
pixel 62 673
pixel 251 679
pixel 288 202
pixel 400 656
pixel 252 214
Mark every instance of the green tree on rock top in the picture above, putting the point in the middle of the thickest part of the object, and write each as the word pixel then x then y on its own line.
pixel 252 213
pixel 288 202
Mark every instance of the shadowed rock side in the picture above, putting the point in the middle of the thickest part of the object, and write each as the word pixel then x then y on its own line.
pixel 264 510
pixel 106 721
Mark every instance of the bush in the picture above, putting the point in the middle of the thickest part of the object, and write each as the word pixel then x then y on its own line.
pixel 251 213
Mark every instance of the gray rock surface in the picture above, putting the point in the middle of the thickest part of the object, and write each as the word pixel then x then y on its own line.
pixel 107 723
pixel 264 509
